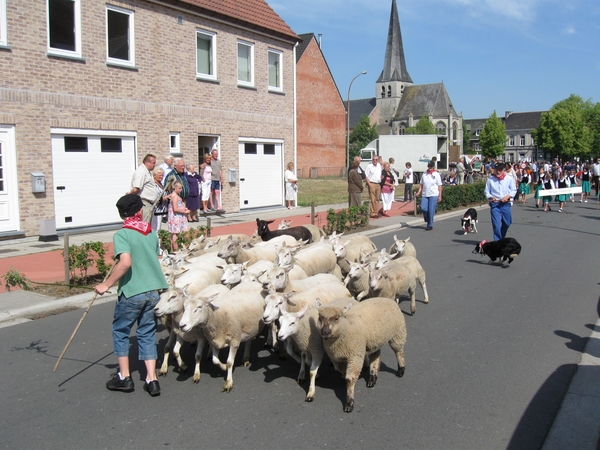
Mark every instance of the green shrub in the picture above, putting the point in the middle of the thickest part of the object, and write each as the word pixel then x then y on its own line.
pixel 347 219
pixel 86 255
pixel 183 238
pixel 14 278
pixel 460 195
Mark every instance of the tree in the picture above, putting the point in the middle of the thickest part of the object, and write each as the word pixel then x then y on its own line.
pixel 361 135
pixel 423 126
pixel 564 130
pixel 493 137
pixel 466 138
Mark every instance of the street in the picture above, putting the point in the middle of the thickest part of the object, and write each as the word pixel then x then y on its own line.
pixel 488 362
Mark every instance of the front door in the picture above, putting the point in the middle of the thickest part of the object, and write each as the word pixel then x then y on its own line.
pixel 9 193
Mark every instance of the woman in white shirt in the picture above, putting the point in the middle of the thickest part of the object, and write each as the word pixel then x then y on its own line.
pixel 431 187
pixel 291 186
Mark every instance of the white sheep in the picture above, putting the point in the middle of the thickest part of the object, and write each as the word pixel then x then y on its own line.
pixel 393 281
pixel 234 273
pixel 359 330
pixel 413 265
pixel 171 305
pixel 350 251
pixel 303 330
pixel 285 224
pixel 403 247
pixel 318 258
pixel 233 252
pixel 201 274
pixel 281 279
pixel 227 322
pixel 357 280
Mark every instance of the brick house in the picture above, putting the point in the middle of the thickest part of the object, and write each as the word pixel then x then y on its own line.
pixel 89 87
pixel 321 114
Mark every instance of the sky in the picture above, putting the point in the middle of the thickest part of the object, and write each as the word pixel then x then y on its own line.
pixel 491 55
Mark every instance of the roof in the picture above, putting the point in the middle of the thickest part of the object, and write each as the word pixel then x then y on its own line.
pixel 360 107
pixel 424 99
pixel 254 14
pixel 473 125
pixel 394 65
pixel 523 121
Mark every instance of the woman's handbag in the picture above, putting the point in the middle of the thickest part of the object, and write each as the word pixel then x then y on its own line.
pixel 162 207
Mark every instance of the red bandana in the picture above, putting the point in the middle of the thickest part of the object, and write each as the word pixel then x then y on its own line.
pixel 430 171
pixel 137 224
pixel 500 177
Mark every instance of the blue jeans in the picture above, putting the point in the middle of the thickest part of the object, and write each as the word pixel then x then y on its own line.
pixel 501 219
pixel 428 205
pixel 140 309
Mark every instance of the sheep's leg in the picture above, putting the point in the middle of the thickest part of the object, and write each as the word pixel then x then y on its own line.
pixel 317 357
pixel 374 365
pixel 353 368
pixel 413 300
pixel 424 286
pixel 362 295
pixel 246 358
pixel 228 386
pixel 215 358
pixel 199 347
pixel 177 354
pixel 302 373
pixel 164 368
pixel 290 350
pixel 398 347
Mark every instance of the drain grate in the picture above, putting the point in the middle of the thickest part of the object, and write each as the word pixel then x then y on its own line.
pixel 8 250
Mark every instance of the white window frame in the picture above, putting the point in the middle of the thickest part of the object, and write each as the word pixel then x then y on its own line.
pixel 250 45
pixel 279 68
pixel 511 140
pixel 3 30
pixel 522 140
pixel 177 147
pixel 77 19
pixel 131 36
pixel 208 35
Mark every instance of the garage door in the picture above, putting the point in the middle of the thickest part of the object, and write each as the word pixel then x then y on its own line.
pixel 261 174
pixel 90 173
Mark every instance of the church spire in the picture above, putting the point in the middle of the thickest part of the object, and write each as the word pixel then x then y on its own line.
pixel 394 66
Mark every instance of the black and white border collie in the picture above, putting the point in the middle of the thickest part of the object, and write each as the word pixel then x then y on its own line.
pixel 469 220
pixel 506 248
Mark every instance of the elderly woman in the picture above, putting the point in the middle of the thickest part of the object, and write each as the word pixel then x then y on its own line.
pixel 291 186
pixel 355 185
pixel 193 200
pixel 158 175
pixel 387 189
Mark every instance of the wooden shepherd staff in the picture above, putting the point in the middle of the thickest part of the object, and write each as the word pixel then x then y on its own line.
pixel 80 322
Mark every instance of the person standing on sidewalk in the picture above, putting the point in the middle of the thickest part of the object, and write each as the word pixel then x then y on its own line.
pixel 217 181
pixel 355 185
pixel 431 187
pixel 373 179
pixel 500 190
pixel 408 182
pixel 460 171
pixel 387 189
pixel 142 184
pixel 140 278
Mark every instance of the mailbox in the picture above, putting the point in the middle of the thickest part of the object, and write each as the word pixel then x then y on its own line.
pixel 38 182
pixel 232 175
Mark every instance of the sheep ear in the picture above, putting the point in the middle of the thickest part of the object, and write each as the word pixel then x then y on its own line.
pixel 184 290
pixel 407 239
pixel 318 302
pixel 259 274
pixel 347 308
pixel 395 238
pixel 393 255
pixel 245 264
pixel 300 314
pixel 348 261
pixel 382 251
pixel 220 267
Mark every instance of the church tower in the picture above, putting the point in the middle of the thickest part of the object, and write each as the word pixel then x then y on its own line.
pixel 394 78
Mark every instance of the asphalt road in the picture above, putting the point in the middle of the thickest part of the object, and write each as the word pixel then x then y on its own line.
pixel 488 363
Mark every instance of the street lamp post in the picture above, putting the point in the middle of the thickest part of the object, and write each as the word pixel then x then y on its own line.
pixel 348 119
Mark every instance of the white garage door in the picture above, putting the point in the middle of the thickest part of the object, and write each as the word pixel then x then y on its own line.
pixel 90 173
pixel 261 173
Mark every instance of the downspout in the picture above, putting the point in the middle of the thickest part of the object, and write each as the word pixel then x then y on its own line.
pixel 295 117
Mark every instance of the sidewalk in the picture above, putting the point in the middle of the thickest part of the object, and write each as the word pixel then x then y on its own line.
pixel 576 424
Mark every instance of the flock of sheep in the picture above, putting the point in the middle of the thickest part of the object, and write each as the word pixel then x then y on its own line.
pixel 317 295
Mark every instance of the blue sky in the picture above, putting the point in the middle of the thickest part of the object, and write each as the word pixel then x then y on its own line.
pixel 502 55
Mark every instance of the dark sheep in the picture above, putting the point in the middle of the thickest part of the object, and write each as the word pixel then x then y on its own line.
pixel 298 233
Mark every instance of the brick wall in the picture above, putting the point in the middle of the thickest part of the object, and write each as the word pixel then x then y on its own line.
pixel 321 115
pixel 160 95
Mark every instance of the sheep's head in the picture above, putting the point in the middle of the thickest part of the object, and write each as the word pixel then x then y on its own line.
pixel 289 321
pixel 330 318
pixel 232 273
pixel 273 305
pixel 384 259
pixel 400 244
pixel 340 250
pixel 196 311
pixel 357 270
pixel 376 279
pixel 277 277
pixel 171 302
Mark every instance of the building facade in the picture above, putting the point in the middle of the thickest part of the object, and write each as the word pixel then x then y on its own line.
pixel 90 87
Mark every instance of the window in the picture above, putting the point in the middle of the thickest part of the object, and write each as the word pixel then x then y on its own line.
pixel 76 144
pixel 440 128
pixel 245 64
pixel 275 65
pixel 522 140
pixel 269 149
pixel 64 27
pixel 111 145
pixel 206 66
pixel 3 30
pixel 511 140
pixel 174 143
pixel 389 91
pixel 250 148
pixel 477 131
pixel 120 36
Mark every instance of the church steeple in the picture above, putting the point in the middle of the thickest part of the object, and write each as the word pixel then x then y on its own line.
pixel 394 65
pixel 394 76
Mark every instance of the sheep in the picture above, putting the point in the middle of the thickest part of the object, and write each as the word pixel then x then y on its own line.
pixel 403 247
pixel 233 273
pixel 201 274
pixel 302 329
pixel 413 265
pixel 393 281
pixel 314 259
pixel 285 224
pixel 355 239
pixel 171 305
pixel 227 322
pixel 357 280
pixel 299 233
pixel 233 252
pixel 359 330
pixel 281 280
pixel 295 301
pixel 350 251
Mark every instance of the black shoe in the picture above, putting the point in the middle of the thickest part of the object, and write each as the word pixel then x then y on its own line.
pixel 152 388
pixel 116 384
pixel 428 228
